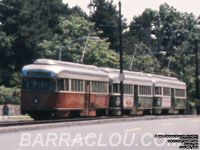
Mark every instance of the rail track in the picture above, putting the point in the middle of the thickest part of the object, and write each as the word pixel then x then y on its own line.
pixel 33 122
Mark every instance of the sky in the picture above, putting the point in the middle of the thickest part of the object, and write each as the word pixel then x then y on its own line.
pixel 132 8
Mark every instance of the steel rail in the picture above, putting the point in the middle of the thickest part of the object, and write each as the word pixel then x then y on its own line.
pixel 33 122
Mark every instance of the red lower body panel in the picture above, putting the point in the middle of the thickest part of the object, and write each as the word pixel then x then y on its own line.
pixel 62 103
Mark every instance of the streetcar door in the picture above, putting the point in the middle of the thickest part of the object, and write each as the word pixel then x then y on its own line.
pixel 87 97
pixel 173 97
pixel 136 96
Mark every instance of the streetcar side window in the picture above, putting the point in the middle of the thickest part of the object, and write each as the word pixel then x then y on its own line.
pixel 67 84
pixel 180 93
pixel 145 90
pixel 128 89
pixel 158 91
pixel 166 91
pixel 116 88
pixel 77 85
pixel 99 87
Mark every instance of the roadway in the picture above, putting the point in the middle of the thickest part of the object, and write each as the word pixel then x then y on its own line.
pixel 131 135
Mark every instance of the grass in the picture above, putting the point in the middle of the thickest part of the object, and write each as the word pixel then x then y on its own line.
pixel 16 117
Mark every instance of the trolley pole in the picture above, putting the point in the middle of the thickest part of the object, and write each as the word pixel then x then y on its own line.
pixel 121 75
pixel 60 53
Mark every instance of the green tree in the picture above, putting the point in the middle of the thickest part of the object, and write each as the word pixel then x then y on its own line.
pixel 24 24
pixel 106 18
pixel 74 31
pixel 5 48
pixel 142 60
pixel 170 31
pixel 29 22
pixel 6 55
pixel 9 95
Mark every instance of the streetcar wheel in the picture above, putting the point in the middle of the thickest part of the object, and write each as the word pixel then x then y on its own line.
pixel 41 116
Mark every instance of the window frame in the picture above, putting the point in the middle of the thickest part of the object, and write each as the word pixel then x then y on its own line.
pixel 38 81
pixel 159 91
pixel 99 87
pixel 142 88
pixel 128 89
pixel 182 93
pixel 65 81
pixel 117 88
pixel 169 95
pixel 75 84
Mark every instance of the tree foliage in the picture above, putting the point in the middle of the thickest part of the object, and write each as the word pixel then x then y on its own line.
pixel 24 24
pixel 74 33
pixel 29 22
pixel 106 18
pixel 5 49
pixel 31 29
pixel 9 95
pixel 169 31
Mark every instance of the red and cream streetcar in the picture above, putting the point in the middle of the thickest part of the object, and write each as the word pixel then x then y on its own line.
pixel 53 88
pixel 60 89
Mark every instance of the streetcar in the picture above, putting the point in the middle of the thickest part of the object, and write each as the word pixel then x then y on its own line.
pixel 137 89
pixel 57 89
pixel 169 95
pixel 61 89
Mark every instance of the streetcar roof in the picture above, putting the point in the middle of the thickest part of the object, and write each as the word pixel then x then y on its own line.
pixel 141 78
pixel 137 78
pixel 63 63
pixel 170 82
pixel 55 68
pixel 64 70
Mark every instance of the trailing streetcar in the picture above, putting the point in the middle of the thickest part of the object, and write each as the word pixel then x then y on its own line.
pixel 138 97
pixel 57 89
pixel 169 95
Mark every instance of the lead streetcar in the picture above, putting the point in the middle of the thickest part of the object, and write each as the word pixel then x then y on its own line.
pixel 56 89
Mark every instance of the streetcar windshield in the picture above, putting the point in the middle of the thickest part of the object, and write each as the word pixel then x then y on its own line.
pixel 38 84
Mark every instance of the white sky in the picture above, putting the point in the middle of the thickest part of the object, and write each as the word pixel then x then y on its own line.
pixel 131 8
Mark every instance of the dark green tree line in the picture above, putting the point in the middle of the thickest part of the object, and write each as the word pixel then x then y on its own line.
pixel 106 18
pixel 27 23
pixel 168 31
pixel 31 29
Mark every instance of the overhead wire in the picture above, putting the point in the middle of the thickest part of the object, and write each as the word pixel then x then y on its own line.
pixel 24 11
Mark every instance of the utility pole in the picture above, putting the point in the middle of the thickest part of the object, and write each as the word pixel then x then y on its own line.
pixel 121 75
pixel 197 69
pixel 197 96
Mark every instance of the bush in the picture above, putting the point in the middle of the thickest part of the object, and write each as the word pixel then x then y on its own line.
pixel 9 95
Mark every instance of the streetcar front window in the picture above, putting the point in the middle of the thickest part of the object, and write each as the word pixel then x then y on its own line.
pixel 37 84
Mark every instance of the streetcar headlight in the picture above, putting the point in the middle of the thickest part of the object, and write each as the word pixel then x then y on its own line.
pixel 36 100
